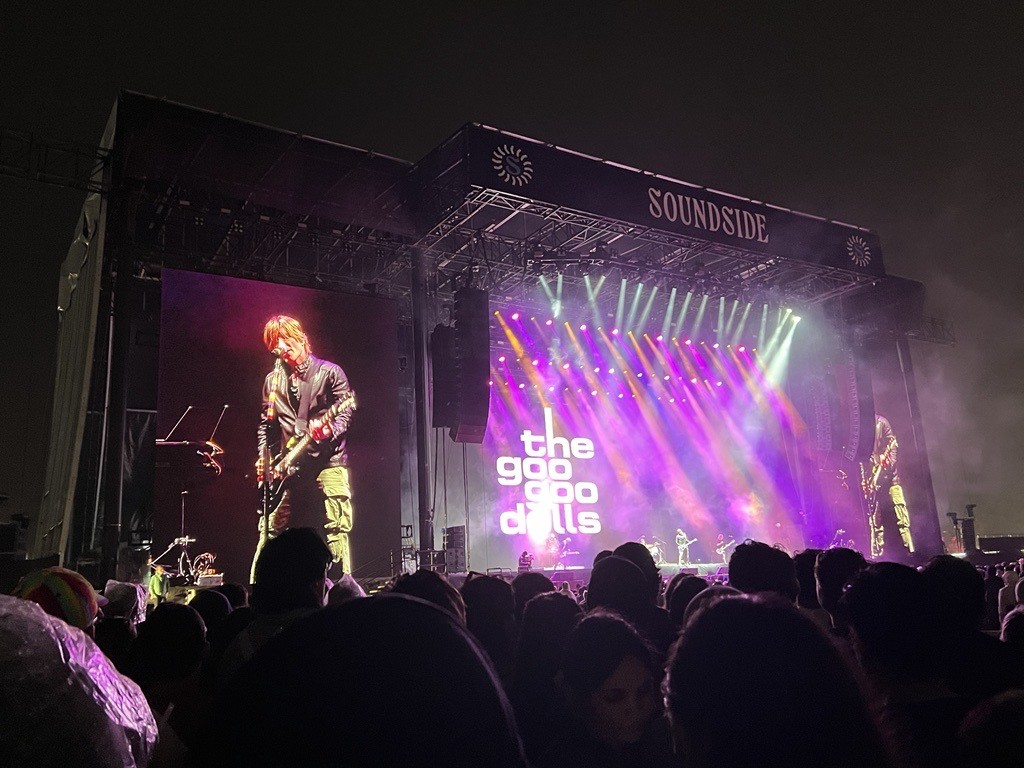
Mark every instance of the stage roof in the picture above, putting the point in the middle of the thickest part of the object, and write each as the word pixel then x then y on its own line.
pixel 209 192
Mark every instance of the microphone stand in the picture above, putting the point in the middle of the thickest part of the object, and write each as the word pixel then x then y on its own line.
pixel 267 474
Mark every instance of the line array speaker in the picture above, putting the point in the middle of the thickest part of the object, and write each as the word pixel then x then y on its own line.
pixel 461 368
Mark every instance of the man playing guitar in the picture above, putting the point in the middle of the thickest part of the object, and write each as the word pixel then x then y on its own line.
pixel 303 462
pixel 683 543
pixel 722 547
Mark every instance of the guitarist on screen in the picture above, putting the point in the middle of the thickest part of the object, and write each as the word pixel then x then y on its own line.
pixel 303 464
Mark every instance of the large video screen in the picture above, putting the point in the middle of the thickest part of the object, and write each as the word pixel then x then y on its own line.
pixel 214 366
pixel 598 436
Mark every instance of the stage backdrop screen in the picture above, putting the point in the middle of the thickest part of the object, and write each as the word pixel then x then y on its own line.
pixel 213 363
pixel 597 437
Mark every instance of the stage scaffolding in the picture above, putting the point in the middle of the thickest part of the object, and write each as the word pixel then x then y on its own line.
pixel 194 190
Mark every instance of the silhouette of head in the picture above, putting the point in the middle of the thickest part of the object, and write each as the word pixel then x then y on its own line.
pixel 434 588
pixel 291 572
pixel 833 568
pixel 756 567
pixel 750 650
pixel 611 677
pixel 395 702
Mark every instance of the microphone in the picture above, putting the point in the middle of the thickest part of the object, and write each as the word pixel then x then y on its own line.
pixel 276 352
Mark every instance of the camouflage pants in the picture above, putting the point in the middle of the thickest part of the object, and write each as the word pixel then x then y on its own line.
pixel 332 494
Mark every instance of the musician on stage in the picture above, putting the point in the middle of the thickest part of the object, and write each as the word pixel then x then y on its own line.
pixel 722 545
pixel 683 545
pixel 297 395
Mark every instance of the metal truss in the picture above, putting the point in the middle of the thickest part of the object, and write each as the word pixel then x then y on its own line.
pixel 63 164
pixel 515 240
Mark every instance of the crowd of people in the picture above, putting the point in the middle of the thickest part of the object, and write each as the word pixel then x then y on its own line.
pixel 819 659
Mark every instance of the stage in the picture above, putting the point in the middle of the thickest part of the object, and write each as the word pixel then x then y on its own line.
pixel 615 353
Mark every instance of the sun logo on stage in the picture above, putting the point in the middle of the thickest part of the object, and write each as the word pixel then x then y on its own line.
pixel 512 165
pixel 858 249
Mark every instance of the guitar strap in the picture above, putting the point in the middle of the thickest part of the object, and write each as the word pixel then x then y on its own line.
pixel 305 395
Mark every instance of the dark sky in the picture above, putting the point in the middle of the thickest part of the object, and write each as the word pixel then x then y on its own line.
pixel 909 125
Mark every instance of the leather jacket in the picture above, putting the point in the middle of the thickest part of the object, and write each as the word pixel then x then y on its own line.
pixel 326 384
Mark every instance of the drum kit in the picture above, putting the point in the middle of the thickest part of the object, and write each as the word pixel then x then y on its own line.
pixel 656 550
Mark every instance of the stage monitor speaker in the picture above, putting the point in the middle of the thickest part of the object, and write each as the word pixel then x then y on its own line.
pixel 968 534
pixel 472 365
pixel 690 570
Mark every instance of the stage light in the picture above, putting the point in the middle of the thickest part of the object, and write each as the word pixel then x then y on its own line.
pixel 743 349
pixel 515 315
pixel 666 378
pixel 687 342
pixel 536 362
pixel 718 383
pixel 549 322
pixel 615 331
pixel 583 327
pixel 501 359
pixel 671 399
pixel 611 370
pixel 593 392
pixel 551 389
pixel 640 375
pixel 565 366
pixel 490 382
pixel 796 318
pixel 533 318
pixel 522 386
pixel 597 370
pixel 715 345
pixel 620 395
pixel 693 380
pixel 660 337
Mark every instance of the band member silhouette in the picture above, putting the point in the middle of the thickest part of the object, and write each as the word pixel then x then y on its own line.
pixel 683 543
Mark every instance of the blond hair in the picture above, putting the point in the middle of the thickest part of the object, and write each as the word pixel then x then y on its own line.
pixel 284 327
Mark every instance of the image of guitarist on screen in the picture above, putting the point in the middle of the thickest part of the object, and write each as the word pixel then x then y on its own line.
pixel 880 476
pixel 303 462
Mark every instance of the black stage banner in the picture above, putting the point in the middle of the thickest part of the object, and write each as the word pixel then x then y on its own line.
pixel 526 168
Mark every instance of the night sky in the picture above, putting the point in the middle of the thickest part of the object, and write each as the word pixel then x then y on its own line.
pixel 909 125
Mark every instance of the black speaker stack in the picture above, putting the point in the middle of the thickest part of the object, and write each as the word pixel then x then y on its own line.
pixel 455 549
pixel 460 368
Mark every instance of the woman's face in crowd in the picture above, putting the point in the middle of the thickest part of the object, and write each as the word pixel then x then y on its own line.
pixel 622 707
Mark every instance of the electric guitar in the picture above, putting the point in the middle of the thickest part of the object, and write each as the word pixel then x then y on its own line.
pixel 277 470
pixel 686 544
pixel 725 547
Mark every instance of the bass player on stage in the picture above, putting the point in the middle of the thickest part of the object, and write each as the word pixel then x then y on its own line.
pixel 303 464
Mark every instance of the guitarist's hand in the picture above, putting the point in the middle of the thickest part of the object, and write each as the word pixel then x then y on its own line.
pixel 320 429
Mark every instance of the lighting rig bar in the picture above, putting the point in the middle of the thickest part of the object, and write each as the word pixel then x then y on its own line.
pixel 518 240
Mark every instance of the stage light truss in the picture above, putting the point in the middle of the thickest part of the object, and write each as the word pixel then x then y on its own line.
pixel 490 238
pixel 186 231
pixel 515 241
